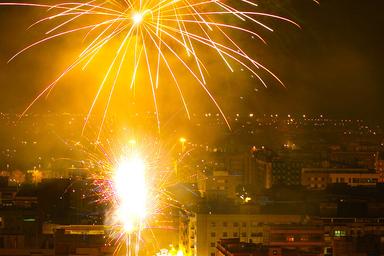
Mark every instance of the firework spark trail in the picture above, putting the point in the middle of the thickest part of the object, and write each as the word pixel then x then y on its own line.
pixel 157 27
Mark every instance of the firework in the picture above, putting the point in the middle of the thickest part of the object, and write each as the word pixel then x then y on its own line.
pixel 149 34
pixel 131 179
pixel 123 186
pixel 130 192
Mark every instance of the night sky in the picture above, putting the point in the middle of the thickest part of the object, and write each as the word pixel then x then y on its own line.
pixel 332 65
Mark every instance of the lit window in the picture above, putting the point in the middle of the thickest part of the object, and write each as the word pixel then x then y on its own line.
pixel 290 239
pixel 339 233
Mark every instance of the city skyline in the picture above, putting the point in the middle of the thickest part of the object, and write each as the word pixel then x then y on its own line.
pixel 191 128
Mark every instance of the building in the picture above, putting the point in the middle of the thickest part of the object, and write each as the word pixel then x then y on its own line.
pixel 259 174
pixel 320 178
pixel 282 171
pixel 379 166
pixel 233 247
pixel 348 235
pixel 303 238
pixel 202 231
pixel 268 168
pixel 354 159
pixel 20 223
pixel 79 240
pixel 284 244
pixel 222 184
pixel 358 246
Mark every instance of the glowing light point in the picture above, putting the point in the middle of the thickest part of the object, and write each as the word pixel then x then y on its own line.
pixel 182 141
pixel 137 18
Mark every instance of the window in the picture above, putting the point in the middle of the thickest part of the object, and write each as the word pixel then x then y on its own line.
pixel 213 224
pixel 243 234
pixel 235 224
pixel 213 254
pixel 290 238
pixel 339 233
pixel 225 234
pixel 244 224
pixel 235 234
pixel 213 244
pixel 225 224
pixel 256 234
pixel 213 234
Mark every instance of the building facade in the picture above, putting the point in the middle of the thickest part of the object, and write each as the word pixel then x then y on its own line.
pixel 320 178
pixel 203 231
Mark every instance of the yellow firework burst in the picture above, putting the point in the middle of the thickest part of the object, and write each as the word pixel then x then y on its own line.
pixel 149 33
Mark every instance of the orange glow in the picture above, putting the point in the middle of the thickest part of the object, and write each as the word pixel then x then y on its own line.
pixel 172 29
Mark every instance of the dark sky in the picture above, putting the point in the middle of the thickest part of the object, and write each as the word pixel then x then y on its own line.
pixel 332 65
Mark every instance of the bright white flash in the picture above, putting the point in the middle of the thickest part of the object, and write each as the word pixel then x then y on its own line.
pixel 137 18
pixel 131 192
